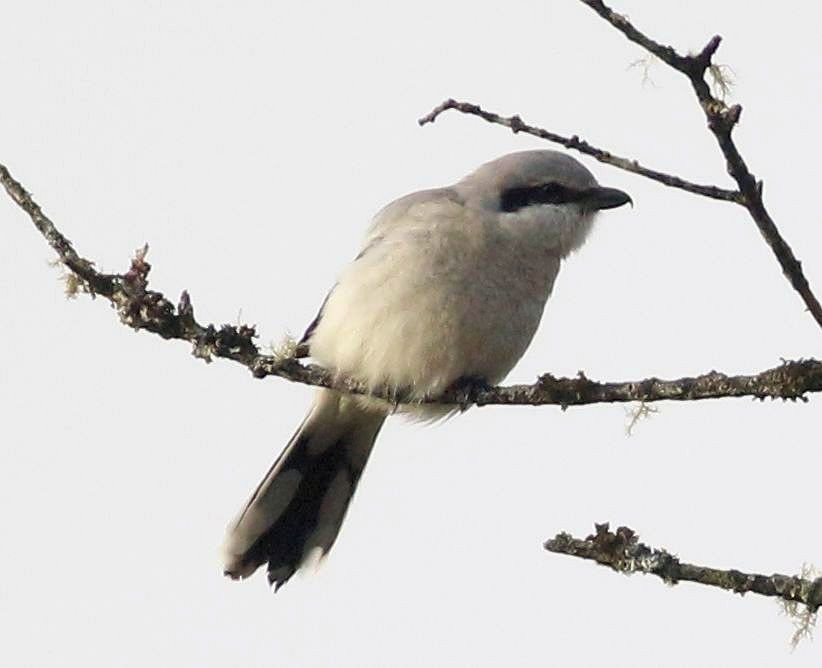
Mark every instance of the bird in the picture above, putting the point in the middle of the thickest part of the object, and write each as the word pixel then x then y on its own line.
pixel 449 287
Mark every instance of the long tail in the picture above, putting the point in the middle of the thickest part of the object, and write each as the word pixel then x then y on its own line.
pixel 299 506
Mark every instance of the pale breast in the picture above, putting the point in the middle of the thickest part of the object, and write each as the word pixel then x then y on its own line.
pixel 436 296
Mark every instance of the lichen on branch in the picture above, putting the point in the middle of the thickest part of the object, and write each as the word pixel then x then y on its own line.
pixel 142 308
pixel 622 552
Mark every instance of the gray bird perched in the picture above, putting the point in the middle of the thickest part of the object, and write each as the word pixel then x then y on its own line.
pixel 450 284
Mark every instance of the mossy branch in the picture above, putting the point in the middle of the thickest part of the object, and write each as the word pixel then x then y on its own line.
pixel 622 552
pixel 144 309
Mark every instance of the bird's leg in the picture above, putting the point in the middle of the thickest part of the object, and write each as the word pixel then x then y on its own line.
pixel 465 389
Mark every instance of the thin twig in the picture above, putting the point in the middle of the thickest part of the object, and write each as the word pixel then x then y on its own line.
pixel 622 552
pixel 721 121
pixel 516 124
pixel 142 308
pixel 84 269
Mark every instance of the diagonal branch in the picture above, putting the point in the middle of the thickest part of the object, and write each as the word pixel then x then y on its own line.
pixel 516 124
pixel 142 308
pixel 84 269
pixel 622 552
pixel 721 122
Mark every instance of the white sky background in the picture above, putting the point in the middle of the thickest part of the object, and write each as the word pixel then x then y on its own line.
pixel 249 144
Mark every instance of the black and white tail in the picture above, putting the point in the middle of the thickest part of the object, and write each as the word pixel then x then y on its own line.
pixel 299 506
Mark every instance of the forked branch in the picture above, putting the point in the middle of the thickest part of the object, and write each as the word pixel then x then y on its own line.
pixel 721 121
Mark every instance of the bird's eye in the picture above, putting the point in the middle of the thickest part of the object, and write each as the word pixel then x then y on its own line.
pixel 552 193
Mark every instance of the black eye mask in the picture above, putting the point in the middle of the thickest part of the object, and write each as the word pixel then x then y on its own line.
pixel 515 199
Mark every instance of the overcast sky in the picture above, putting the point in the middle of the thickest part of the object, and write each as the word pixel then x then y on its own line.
pixel 249 143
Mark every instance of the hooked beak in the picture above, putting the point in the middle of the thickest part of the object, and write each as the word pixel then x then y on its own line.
pixel 598 198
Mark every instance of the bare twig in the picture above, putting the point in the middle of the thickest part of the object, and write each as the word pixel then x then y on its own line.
pixel 142 308
pixel 721 121
pixel 622 551
pixel 84 269
pixel 516 124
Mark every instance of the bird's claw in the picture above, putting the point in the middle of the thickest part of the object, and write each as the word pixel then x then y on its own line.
pixel 464 391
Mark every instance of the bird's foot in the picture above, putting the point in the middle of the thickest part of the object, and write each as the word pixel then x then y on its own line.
pixel 463 391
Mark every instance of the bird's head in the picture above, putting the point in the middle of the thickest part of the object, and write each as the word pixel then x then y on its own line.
pixel 545 194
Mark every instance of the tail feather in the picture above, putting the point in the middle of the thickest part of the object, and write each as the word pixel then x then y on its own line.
pixel 299 506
